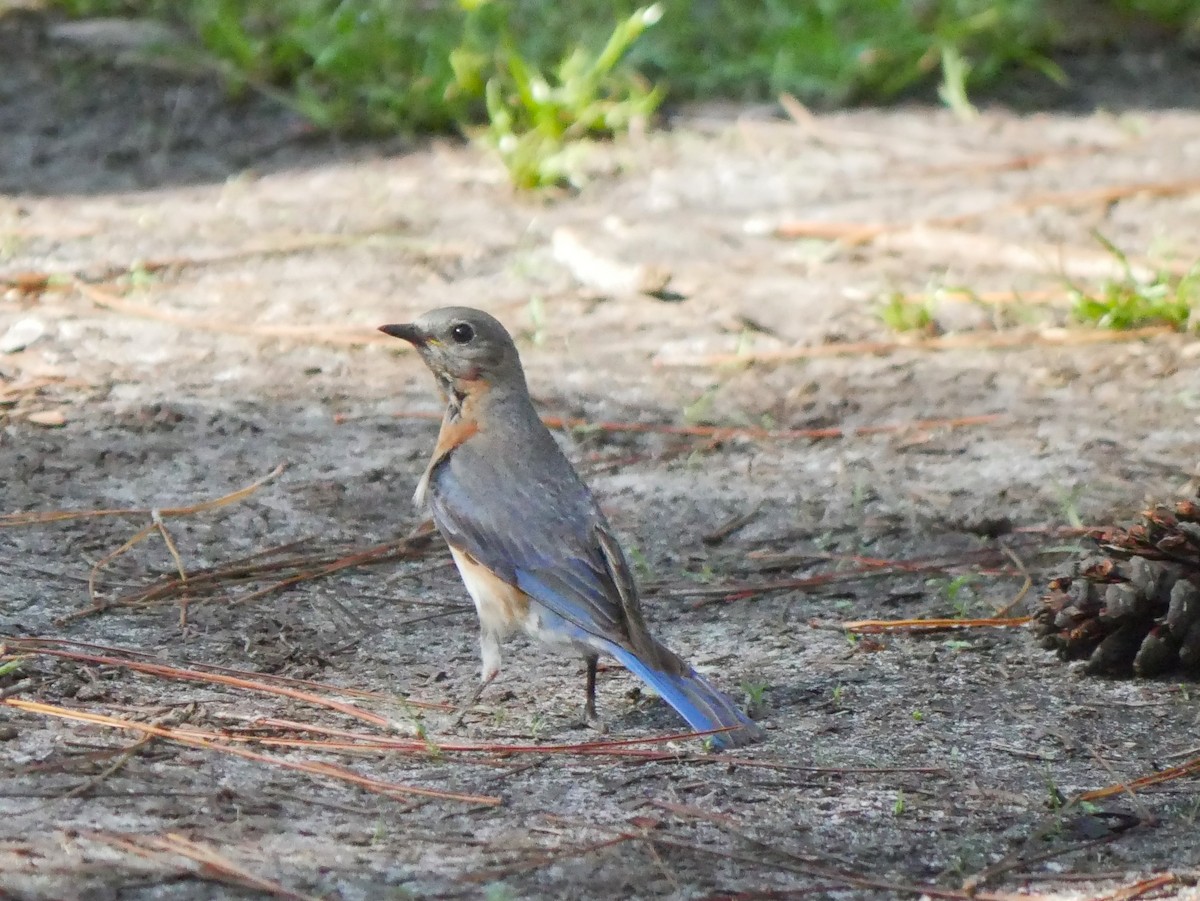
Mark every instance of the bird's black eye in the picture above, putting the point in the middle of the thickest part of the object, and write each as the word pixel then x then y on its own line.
pixel 462 333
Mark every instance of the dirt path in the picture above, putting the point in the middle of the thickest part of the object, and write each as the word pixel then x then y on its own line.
pixel 225 326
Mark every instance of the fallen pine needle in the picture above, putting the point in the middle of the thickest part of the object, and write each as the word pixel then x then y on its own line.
pixel 989 298
pixel 9 520
pixel 211 741
pixel 41 643
pixel 789 863
pixel 873 626
pixel 289 570
pixel 211 863
pixel 966 341
pixel 1191 768
pixel 545 858
pixel 854 233
pixel 1140 888
pixel 165 671
pixel 157 523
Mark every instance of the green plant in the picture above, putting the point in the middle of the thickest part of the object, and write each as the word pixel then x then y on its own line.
pixel 640 565
pixel 537 727
pixel 898 807
pixel 432 747
pixel 1128 302
pixel 906 314
pixel 837 51
pixel 537 319
pixel 956 69
pixel 959 592
pixel 537 121
pixel 140 276
pixel 379 836
pixel 756 693
pixel 1068 503
pixel 522 68
pixel 1055 799
pixel 700 411
pixel 364 66
pixel 1169 13
pixel 498 891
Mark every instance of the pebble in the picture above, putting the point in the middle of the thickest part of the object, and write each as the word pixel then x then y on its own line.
pixel 21 334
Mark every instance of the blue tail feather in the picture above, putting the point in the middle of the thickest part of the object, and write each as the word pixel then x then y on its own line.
pixel 696 700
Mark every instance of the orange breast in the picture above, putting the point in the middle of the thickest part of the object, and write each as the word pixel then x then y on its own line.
pixel 502 608
pixel 452 434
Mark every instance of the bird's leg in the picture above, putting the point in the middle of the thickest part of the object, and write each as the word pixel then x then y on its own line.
pixel 589 706
pixel 489 650
pixel 466 708
pixel 590 719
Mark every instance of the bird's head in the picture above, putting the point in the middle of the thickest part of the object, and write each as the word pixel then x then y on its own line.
pixel 466 349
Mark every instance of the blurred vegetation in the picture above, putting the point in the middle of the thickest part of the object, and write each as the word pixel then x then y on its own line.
pixel 1129 302
pixel 539 75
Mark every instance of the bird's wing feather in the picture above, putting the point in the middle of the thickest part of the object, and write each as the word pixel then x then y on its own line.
pixel 546 543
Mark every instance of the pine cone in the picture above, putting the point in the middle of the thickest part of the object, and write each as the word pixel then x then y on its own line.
pixel 1135 606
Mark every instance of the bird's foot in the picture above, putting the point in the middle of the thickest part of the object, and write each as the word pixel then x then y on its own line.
pixel 589 719
pixel 466 708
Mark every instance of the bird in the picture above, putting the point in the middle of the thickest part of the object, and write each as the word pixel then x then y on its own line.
pixel 534 550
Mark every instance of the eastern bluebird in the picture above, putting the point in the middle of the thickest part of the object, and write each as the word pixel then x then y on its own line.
pixel 530 543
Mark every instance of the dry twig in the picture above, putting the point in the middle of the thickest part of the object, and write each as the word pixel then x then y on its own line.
pixel 1190 768
pixel 874 626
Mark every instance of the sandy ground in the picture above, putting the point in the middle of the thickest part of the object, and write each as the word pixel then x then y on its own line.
pixel 218 273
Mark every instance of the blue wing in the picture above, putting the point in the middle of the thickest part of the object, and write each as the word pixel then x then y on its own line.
pixel 536 530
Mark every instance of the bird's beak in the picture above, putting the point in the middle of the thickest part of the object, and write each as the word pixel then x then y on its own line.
pixel 406 332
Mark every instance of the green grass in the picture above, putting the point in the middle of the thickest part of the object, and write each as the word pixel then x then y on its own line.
pixel 756 693
pixel 533 78
pixel 1175 14
pixel 1129 302
pixel 372 63
pixel 959 593
pixel 1167 298
pixel 905 314
pixel 537 119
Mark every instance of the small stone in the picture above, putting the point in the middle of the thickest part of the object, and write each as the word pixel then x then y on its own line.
pixel 48 419
pixel 92 691
pixel 608 275
pixel 21 334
